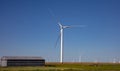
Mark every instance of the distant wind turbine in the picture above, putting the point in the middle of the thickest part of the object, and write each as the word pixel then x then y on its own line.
pixel 114 60
pixel 80 59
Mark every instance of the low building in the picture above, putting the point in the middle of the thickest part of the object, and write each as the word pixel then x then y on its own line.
pixel 22 61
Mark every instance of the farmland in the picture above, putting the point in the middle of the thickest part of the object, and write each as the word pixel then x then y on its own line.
pixel 67 67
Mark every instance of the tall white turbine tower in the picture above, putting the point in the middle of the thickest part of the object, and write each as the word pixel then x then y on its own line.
pixel 61 40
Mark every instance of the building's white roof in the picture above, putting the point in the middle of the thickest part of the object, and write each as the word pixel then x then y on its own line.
pixel 21 57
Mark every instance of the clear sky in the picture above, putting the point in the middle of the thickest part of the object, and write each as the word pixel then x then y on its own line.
pixel 29 28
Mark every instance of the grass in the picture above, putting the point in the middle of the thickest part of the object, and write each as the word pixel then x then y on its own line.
pixel 67 67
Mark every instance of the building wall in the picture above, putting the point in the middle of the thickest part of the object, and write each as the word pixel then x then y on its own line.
pixel 25 62
pixel 3 63
pixel 22 61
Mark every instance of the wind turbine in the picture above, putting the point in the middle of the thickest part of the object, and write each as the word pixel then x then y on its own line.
pixel 62 27
pixel 61 40
pixel 80 59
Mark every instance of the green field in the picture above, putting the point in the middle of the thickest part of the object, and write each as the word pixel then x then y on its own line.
pixel 67 67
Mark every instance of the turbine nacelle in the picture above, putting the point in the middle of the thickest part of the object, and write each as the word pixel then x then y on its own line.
pixel 62 27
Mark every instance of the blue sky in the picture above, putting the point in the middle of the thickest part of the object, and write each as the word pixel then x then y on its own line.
pixel 29 28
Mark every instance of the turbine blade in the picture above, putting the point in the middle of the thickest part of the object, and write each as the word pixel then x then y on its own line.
pixel 66 26
pixel 60 24
pixel 58 38
pixel 53 15
pixel 76 26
